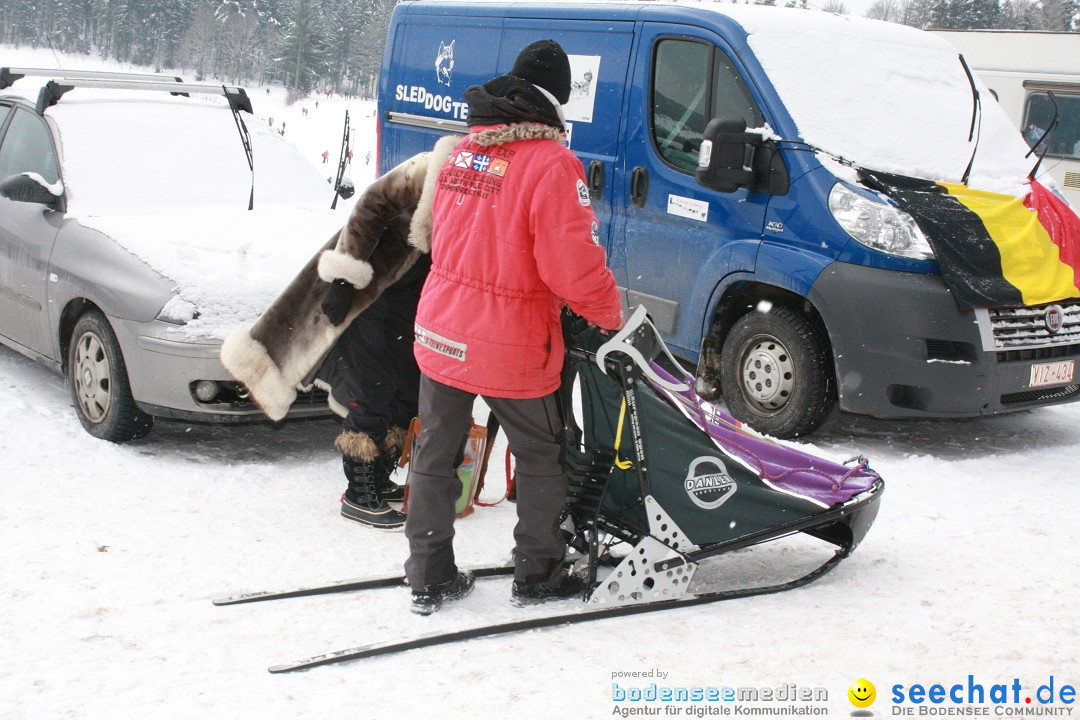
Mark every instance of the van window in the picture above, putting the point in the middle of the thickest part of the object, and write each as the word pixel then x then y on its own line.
pixel 27 147
pixel 731 97
pixel 1064 140
pixel 693 82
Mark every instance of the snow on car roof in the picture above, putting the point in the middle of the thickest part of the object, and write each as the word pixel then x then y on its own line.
pixel 168 179
pixel 125 154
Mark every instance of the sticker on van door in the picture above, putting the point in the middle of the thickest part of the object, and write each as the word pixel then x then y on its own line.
pixel 688 208
pixel 584 77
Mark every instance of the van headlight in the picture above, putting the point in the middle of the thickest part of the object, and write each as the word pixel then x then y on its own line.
pixel 877 225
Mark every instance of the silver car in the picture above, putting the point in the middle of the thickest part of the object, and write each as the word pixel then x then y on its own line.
pixel 137 229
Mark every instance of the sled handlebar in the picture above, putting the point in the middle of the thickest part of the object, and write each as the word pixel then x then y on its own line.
pixel 640 341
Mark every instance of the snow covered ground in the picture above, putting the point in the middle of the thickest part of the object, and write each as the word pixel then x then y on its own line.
pixel 110 555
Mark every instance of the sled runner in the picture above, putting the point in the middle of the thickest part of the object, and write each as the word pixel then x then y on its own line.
pixel 659 481
pixel 655 469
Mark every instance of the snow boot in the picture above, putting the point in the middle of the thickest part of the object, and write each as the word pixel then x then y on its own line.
pixel 362 501
pixel 431 598
pixel 560 587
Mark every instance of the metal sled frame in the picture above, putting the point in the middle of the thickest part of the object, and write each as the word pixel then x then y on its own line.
pixel 663 561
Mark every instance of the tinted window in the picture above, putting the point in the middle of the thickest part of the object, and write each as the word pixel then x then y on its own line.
pixel 1063 140
pixel 731 97
pixel 27 147
pixel 680 84
pixel 684 100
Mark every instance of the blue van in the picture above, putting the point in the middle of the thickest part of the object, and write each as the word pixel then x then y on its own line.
pixel 739 160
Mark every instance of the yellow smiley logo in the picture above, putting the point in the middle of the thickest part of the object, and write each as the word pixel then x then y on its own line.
pixel 862 693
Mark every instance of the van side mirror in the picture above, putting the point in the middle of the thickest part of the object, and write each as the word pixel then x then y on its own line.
pixel 731 158
pixel 726 155
pixel 27 187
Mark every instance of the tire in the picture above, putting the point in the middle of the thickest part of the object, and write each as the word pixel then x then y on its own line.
pixel 776 373
pixel 99 383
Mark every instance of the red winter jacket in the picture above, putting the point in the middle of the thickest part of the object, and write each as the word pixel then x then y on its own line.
pixel 514 239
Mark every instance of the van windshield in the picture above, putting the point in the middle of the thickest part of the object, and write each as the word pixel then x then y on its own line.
pixel 885 96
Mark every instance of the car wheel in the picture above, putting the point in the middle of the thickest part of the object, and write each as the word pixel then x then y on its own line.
pixel 776 373
pixel 99 383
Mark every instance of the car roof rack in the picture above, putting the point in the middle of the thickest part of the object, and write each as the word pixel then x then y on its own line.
pixel 8 75
pixel 64 80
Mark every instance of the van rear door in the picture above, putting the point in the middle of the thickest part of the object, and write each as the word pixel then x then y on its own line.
pixel 431 59
pixel 679 239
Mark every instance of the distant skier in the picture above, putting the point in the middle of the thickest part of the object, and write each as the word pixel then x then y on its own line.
pixel 325 156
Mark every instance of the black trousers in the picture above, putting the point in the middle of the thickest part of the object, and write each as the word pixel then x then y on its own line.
pixel 376 359
pixel 534 430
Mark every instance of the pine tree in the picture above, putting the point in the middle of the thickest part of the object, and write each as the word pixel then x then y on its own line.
pixel 305 56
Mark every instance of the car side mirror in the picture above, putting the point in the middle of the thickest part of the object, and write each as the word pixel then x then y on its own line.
pixel 30 188
pixel 731 158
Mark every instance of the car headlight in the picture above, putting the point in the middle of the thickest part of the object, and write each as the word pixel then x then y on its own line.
pixel 877 225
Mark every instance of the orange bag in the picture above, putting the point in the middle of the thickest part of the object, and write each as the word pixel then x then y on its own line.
pixel 470 471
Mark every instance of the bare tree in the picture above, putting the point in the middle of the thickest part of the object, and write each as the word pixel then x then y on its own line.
pixel 918 13
pixel 835 6
pixel 887 10
pixel 198 50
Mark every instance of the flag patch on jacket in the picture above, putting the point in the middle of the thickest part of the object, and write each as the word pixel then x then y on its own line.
pixel 994 250
pixel 463 160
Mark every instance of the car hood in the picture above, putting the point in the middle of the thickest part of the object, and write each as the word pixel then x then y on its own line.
pixel 227 265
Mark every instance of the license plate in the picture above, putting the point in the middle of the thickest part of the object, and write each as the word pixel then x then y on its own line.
pixel 1052 373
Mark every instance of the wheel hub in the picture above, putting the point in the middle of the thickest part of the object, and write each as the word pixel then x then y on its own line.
pixel 768 374
pixel 92 377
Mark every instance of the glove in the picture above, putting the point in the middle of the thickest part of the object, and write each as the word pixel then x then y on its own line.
pixel 338 301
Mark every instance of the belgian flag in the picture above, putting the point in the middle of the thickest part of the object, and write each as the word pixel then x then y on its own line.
pixel 993 250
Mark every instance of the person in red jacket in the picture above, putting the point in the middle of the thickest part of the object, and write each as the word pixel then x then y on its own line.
pixel 514 240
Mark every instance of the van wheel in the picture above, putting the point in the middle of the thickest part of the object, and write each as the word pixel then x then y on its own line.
pixel 99 383
pixel 776 373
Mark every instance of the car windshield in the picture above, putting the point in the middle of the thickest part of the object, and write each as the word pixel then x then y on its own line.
pixel 124 156
pixel 885 96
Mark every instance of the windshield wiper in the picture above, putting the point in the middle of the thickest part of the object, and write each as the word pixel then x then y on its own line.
pixel 1053 124
pixel 976 115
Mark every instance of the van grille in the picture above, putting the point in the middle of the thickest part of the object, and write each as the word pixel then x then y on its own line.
pixel 1072 180
pixel 1024 328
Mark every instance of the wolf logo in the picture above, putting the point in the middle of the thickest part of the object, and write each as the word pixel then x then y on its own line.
pixel 444 63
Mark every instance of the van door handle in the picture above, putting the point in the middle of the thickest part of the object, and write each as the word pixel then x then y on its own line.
pixel 639 187
pixel 596 180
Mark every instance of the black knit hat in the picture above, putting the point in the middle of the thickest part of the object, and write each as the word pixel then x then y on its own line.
pixel 544 63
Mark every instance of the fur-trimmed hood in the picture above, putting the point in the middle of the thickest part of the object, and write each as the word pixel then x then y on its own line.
pixel 387 229
pixel 502 134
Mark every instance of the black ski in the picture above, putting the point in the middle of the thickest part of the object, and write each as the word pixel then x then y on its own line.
pixel 372 583
pixel 442 638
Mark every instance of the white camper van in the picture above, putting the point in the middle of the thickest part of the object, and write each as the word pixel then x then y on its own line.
pixel 1021 69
